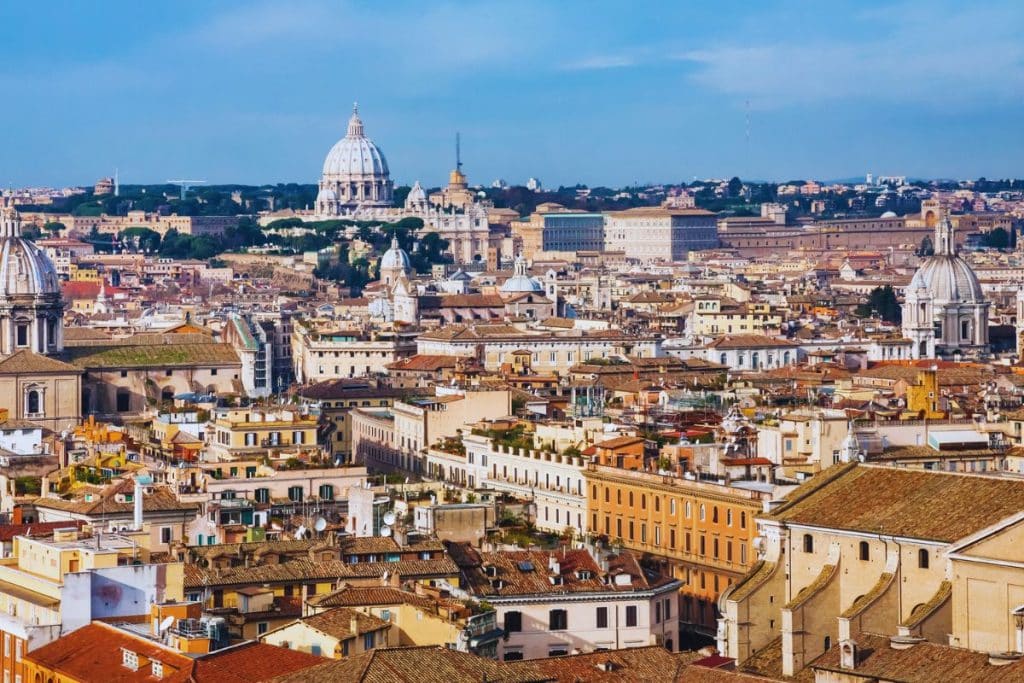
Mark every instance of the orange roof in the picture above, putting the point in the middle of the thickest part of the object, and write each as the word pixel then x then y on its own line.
pixel 95 652
pixel 251 662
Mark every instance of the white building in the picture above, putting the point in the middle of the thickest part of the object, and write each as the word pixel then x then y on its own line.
pixel 656 234
pixel 572 601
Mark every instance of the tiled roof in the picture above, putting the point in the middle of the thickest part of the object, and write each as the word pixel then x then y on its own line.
pixel 528 572
pixel 425 363
pixel 304 570
pixel 750 341
pixel 160 500
pixel 940 506
pixel 37 530
pixel 920 663
pixel 632 665
pixel 24 362
pixel 251 662
pixel 94 653
pixel 363 596
pixel 337 622
pixel 427 664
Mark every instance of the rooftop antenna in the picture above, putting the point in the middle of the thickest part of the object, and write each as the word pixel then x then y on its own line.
pixel 117 184
pixel 458 154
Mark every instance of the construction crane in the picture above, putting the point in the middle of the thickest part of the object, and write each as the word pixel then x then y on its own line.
pixel 185 185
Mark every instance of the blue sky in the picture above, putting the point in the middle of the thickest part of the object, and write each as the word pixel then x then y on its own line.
pixel 601 93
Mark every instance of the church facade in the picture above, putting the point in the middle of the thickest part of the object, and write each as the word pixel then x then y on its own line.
pixel 945 312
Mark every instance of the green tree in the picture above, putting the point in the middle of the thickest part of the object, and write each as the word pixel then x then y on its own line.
pixel 882 302
pixel 141 238
pixel 54 227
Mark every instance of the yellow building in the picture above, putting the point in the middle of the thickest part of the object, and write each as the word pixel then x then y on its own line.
pixel 84 274
pixel 713 316
pixel 241 433
pixel 705 531
pixel 336 633
pixel 923 397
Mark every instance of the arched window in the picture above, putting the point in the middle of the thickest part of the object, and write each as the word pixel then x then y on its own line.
pixel 828 643
pixel 33 403
pixel 723 359
pixel 714 514
pixel 808 543
pixel 865 551
pixel 922 558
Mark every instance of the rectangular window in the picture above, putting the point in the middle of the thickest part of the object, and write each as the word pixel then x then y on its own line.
pixel 631 615
pixel 558 620
pixel 513 622
pixel 368 640
pixel 602 617
pixel 657 613
pixel 165 534
pixel 262 627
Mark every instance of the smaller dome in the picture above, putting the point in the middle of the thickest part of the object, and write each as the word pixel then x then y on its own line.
pixel 889 214
pixel 395 258
pixel 26 269
pixel 521 282
pixel 416 193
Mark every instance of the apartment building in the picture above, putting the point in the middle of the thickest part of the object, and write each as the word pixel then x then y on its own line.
pixel 322 354
pixel 397 438
pixel 703 529
pixel 238 433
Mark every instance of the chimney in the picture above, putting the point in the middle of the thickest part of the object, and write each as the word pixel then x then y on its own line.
pixel 848 654
pixel 354 625
pixel 138 505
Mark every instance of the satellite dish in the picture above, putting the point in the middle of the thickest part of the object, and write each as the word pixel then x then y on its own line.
pixel 300 533
pixel 320 525
pixel 166 623
pixel 385 531
pixel 389 518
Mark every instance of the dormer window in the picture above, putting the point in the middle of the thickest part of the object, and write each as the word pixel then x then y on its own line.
pixel 157 669
pixel 130 660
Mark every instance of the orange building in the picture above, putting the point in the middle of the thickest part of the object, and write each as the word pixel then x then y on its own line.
pixel 702 531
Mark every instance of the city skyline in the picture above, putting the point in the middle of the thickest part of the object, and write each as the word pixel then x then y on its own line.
pixel 254 93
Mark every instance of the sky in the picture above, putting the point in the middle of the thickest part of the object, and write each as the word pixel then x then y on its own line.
pixel 602 93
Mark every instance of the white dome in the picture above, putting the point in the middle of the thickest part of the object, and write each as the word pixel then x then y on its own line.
pixel 26 270
pixel 948 278
pixel 417 193
pixel 395 258
pixel 355 155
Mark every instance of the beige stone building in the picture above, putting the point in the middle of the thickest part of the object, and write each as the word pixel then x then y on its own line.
pixel 863 548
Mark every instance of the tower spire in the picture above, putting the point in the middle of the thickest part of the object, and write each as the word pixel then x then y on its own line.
pixel 458 153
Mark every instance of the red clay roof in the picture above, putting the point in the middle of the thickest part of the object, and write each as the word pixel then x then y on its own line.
pixel 251 662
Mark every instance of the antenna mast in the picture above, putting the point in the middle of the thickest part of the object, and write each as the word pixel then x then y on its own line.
pixel 458 154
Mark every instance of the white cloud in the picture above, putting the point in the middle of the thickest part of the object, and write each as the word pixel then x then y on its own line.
pixel 952 58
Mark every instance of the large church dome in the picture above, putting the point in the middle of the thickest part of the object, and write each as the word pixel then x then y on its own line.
pixel 355 154
pixel 355 174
